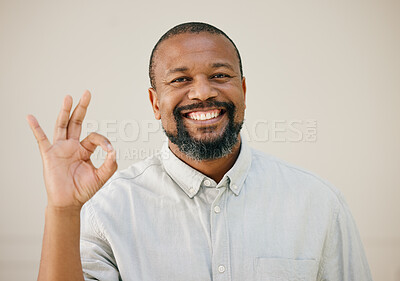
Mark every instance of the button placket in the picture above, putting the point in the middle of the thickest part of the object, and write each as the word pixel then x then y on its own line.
pixel 219 236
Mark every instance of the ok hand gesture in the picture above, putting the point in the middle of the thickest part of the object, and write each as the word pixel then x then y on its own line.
pixel 70 177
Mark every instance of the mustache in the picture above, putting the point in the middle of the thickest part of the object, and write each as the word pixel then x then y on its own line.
pixel 228 106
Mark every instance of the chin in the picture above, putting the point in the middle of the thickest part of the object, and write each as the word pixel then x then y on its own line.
pixel 207 137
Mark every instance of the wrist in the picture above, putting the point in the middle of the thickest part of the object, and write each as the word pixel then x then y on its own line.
pixel 64 210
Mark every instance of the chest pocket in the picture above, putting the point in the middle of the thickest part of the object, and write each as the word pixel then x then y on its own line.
pixel 271 269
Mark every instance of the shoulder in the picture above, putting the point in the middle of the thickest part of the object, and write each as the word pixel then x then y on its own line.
pixel 294 180
pixel 136 172
pixel 141 175
pixel 115 198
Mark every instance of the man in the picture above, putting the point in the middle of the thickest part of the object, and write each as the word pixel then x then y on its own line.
pixel 207 207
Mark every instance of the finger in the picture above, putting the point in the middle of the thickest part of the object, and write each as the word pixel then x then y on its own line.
pixel 75 122
pixel 40 136
pixel 60 131
pixel 108 168
pixel 94 140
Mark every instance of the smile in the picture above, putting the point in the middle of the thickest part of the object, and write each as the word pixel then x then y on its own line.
pixel 204 115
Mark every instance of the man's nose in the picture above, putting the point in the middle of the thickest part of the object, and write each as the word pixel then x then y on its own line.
pixel 202 90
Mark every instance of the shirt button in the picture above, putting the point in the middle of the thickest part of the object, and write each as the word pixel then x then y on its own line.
pixel 234 186
pixel 217 209
pixel 221 268
pixel 207 182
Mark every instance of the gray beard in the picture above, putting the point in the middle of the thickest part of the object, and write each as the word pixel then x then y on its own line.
pixel 200 150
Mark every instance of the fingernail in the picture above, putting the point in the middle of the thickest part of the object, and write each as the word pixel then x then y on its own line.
pixel 109 147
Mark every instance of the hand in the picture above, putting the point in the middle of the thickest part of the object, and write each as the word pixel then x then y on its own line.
pixel 70 177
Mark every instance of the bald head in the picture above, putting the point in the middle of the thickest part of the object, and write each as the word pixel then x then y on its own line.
pixel 190 27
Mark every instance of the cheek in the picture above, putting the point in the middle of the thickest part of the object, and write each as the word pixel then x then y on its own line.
pixel 167 117
pixel 239 113
pixel 240 106
pixel 169 126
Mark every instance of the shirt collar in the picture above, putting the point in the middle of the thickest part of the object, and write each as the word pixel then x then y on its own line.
pixel 190 180
pixel 238 173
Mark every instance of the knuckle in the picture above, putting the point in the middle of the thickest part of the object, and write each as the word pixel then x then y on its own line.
pixel 63 125
pixel 76 122
pixel 93 136
pixel 41 139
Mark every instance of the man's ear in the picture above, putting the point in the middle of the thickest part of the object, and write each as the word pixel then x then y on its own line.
pixel 154 103
pixel 244 90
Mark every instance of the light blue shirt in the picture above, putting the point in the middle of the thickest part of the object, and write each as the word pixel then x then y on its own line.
pixel 265 220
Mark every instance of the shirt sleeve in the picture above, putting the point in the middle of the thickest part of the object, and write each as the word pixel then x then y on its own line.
pixel 98 262
pixel 343 257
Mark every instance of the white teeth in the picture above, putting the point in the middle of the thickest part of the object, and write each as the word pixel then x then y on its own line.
pixel 204 116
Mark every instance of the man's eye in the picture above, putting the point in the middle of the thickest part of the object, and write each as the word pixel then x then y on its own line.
pixel 220 75
pixel 180 80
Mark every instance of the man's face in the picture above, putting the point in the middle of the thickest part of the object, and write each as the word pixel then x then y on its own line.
pixel 199 95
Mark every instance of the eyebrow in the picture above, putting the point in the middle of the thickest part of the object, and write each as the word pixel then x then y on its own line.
pixel 221 64
pixel 214 65
pixel 178 69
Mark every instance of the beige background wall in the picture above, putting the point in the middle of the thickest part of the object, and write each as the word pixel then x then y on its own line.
pixel 335 63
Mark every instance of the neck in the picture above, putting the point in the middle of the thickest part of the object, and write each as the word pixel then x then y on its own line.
pixel 215 168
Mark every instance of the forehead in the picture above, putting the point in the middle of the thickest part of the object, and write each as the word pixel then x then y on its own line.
pixel 194 50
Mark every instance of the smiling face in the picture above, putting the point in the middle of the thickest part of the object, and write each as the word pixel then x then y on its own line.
pixel 199 95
